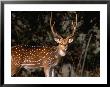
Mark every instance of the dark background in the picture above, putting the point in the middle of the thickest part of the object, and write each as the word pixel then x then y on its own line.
pixel 83 57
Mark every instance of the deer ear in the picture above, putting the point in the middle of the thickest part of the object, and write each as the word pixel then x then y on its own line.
pixel 57 40
pixel 70 40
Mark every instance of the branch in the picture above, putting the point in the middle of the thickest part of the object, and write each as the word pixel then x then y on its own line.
pixel 85 54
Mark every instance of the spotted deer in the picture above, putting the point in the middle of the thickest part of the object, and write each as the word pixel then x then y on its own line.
pixel 46 57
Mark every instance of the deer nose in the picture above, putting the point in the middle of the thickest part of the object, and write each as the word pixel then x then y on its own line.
pixel 65 49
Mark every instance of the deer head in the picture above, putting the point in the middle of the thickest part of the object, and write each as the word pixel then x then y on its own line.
pixel 63 42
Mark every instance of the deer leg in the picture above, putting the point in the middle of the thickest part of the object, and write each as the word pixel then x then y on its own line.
pixel 53 72
pixel 47 72
pixel 14 70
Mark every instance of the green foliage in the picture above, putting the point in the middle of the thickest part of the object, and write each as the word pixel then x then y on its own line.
pixel 33 28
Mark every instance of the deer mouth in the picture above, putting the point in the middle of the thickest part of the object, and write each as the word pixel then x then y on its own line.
pixel 62 53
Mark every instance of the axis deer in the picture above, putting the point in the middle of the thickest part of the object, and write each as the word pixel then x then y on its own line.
pixel 46 57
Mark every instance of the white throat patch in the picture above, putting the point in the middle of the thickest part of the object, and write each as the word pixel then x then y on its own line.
pixel 62 53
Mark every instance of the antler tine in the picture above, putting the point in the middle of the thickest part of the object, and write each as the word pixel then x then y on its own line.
pixel 73 28
pixel 51 20
pixel 51 26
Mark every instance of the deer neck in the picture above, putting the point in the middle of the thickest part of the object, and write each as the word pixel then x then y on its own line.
pixel 58 52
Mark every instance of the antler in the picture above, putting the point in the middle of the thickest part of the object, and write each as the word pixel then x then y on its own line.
pixel 51 26
pixel 73 27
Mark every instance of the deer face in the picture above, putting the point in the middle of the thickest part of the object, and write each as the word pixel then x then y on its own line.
pixel 63 45
pixel 63 42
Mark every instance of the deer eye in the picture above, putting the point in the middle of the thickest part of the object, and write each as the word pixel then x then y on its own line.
pixel 57 40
